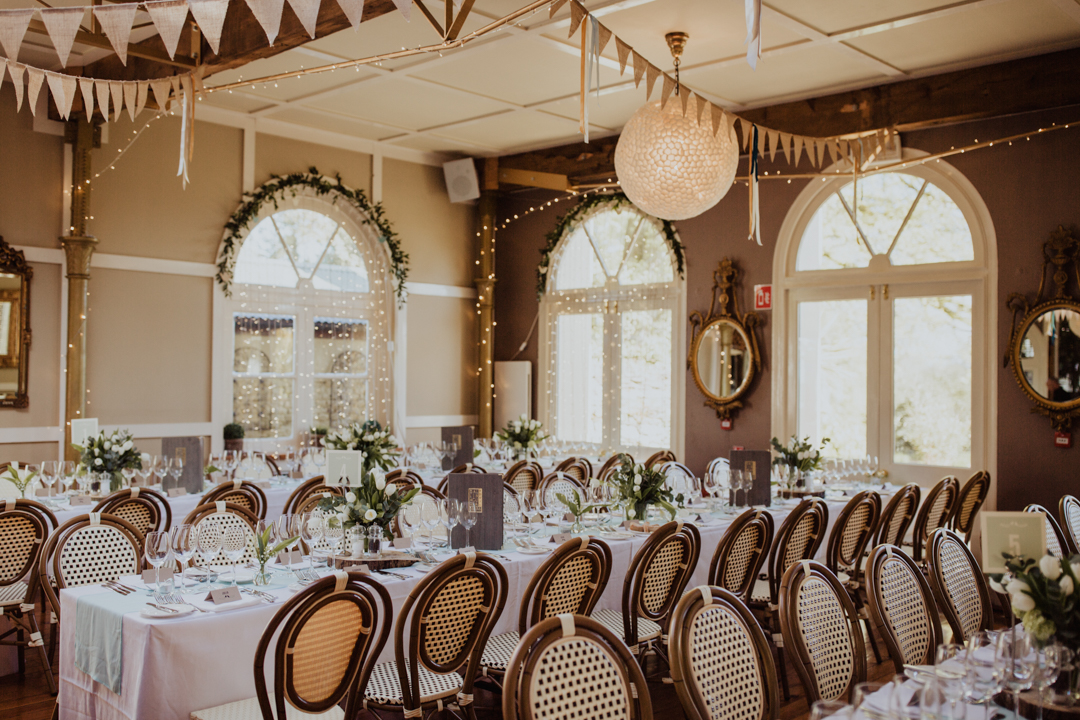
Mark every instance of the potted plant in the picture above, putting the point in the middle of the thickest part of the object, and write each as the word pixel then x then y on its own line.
pixel 234 436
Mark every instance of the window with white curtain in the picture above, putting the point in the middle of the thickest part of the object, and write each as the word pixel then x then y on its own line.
pixel 884 286
pixel 611 333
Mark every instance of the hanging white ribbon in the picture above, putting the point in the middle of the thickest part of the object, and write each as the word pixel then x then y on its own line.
pixel 116 22
pixel 755 205
pixel 592 66
pixel 168 18
pixel 268 13
pixel 354 10
pixel 307 11
pixel 187 128
pixel 210 15
pixel 753 32
pixel 13 24
pixel 63 24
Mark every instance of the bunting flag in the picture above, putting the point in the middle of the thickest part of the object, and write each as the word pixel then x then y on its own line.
pixel 169 18
pixel 131 89
pixel 354 10
pixel 103 98
pixel 17 71
pixel 744 128
pixel 405 7
pixel 13 24
pixel 753 32
pixel 161 90
pixel 307 11
pixel 755 205
pixel 116 22
pixel 699 103
pixel 577 14
pixel 798 148
pixel 210 15
pixel 33 86
pixel 143 87
pixel 63 24
pixel 774 139
pixel 268 13
pixel 729 127
pixel 665 92
pixel 174 80
pixel 651 74
pixel 624 52
pixel 605 36
pixel 785 145
pixel 116 90
pixel 555 7
pixel 684 97
pixel 86 85
pixel 640 64
pixel 63 89
pixel 717 118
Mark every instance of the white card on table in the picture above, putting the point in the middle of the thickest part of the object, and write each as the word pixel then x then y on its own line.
pixel 343 467
pixel 1015 533
pixel 148 576
pixel 227 594
pixel 177 492
pixel 402 543
pixel 560 538
pixel 467 549
pixel 285 557
pixel 80 500
pixel 82 429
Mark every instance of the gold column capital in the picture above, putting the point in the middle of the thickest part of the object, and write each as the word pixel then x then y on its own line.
pixel 78 250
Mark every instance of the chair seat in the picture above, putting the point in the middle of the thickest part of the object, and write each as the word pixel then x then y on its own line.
pixel 12 594
pixel 613 621
pixel 384 689
pixel 498 652
pixel 249 710
pixel 760 592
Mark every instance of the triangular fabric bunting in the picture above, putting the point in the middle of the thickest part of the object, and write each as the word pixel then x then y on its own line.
pixel 729 128
pixel 798 148
pixel 3 73
pixel 131 90
pixel 354 10
pixel 744 128
pixel 87 87
pixel 605 36
pixel 13 24
pixel 116 90
pixel 774 139
pixel 624 52
pixel 169 18
pixel 62 24
pixel 665 92
pixel 307 11
pixel 555 7
pixel 140 96
pixel 102 87
pixel 405 7
pixel 268 13
pixel 651 74
pixel 71 87
pixel 699 103
pixel 640 64
pixel 785 145
pixel 759 139
pixel 161 90
pixel 175 82
pixel 59 92
pixel 717 118
pixel 819 150
pixel 116 22
pixel 684 98
pixel 577 14
pixel 16 72
pixel 210 15
pixel 35 78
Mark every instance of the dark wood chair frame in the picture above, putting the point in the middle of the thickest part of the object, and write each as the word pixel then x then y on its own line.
pixel 237 492
pixel 611 465
pixel 949 489
pixel 659 457
pixel 1068 511
pixel 944 596
pixel 879 607
pixel 153 502
pixel 972 496
pixel 756 525
pixel 900 510
pixel 849 561
pixel 312 486
pixel 1053 530
pixel 521 470
pixel 577 467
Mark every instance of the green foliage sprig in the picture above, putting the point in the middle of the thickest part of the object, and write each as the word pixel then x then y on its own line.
pixel 20 478
pixel 565 223
pixel 373 502
pixel 263 552
pixel 275 190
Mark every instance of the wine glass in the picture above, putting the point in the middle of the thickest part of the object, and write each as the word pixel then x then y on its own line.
pixel 233 545
pixel 980 681
pixel 68 468
pixel 735 478
pixel 410 519
pixel 1053 660
pixel 899 704
pixel 333 534
pixel 449 513
pixel 289 526
pixel 129 475
pixel 49 472
pixel 950 671
pixel 1016 662
pixel 209 544
pixel 161 468
pixel 313 529
pixel 156 549
pixel 861 697
pixel 467 519
pixel 145 470
pixel 829 708
pixel 176 468
pixel 183 547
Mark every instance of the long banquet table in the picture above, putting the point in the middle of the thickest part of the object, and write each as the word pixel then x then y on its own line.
pixel 172 667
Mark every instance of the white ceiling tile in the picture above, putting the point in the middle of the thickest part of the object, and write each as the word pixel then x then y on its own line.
pixel 432 143
pixel 608 111
pixel 290 88
pixel 404 104
pixel 334 123
pixel 513 130
pixel 832 16
pixel 241 102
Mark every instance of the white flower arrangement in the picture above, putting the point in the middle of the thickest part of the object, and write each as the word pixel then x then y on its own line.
pixel 523 434
pixel 374 502
pixel 110 453
pixel 378 447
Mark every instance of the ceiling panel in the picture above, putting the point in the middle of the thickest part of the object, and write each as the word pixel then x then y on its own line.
pixel 1008 27
pixel 241 102
pixel 608 111
pixel 432 143
pixel 405 105
pixel 831 16
pixel 513 130
pixel 293 87
pixel 335 123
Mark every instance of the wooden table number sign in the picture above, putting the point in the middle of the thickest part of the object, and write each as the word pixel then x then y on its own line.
pixel 484 493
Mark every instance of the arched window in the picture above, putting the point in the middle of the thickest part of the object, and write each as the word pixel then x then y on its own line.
pixel 612 333
pixel 884 321
pixel 311 319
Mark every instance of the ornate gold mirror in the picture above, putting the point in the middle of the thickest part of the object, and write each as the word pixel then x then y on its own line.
pixel 724 353
pixel 15 277
pixel 1044 348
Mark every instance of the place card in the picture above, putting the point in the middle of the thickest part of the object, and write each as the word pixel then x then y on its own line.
pixel 177 492
pixel 80 500
pixel 560 538
pixel 263 484
pixel 220 596
pixel 1015 533
pixel 149 578
pixel 287 557
pixel 402 543
pixel 82 429
pixel 466 549
pixel 343 468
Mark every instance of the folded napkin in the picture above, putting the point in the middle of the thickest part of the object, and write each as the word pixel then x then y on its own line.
pixel 99 622
pixel 202 604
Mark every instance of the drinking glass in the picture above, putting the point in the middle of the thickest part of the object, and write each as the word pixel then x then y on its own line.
pixel 230 459
pixel 980 681
pixel 289 526
pixel 176 468
pixel 157 550
pixel 209 544
pixel 1016 660
pixel 233 545
pixel 468 520
pixel 409 519
pixel 899 704
pixel 313 529
pixel 429 516
pixel 449 512
pixel 735 479
pixel 829 708
pixel 161 468
pixel 933 701
pixel 183 547
pixel 333 533
pixel 950 671
pixel 129 475
pixel 67 474
pixel 50 470
pixel 861 698
pixel 1051 662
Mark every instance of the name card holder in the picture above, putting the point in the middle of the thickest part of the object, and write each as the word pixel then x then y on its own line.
pixel 224 595
pixel 560 538
pixel 77 500
pixel 402 543
pixel 149 577
pixel 286 557
pixel 177 492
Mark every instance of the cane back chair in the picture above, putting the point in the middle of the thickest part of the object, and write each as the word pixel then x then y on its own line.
pixel 570 667
pixel 936 511
pixel 559 482
pixel 659 458
pixel 331 633
pixel 524 475
pixel 897 516
pixel 427 495
pixel 653 584
pixel 972 497
pixel 24 527
pixel 958 585
pixel 144 508
pixel 612 465
pixel 224 515
pixel 448 617
pixel 316 487
pixel 1055 538
pixel 239 492
pixel 576 467
pixel 846 547
pixel 741 553
pixel 570 581
pixel 820 626
pixel 459 470
pixel 902 607
pixel 721 663
pixel 1069 511
pixel 404 477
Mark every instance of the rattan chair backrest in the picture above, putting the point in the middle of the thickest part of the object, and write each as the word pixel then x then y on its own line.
pixel 427 495
pixel 331 634
pixel 448 618
pixel 721 663
pixel 935 511
pixel 1056 544
pixel 821 628
pixel 571 581
pixel 972 496
pixel 671 468
pixel 559 482
pixel 799 537
pixel 144 508
pixel 224 515
pixel 851 534
pixel 958 584
pixel 468 468
pixel 239 492
pixel 741 553
pixel 897 516
pixel 571 667
pixel 902 608
pixel 25 526
pixel 404 477
pixel 524 475
pixel 659 458
pixel 316 487
pixel 612 465
pixel 576 467
pixel 1069 511
pixel 657 576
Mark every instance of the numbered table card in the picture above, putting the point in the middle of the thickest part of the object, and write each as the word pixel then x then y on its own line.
pixel 1012 533
pixel 83 429
pixel 220 596
pixel 343 468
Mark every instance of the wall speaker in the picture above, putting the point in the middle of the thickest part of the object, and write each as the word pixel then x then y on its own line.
pixel 461 182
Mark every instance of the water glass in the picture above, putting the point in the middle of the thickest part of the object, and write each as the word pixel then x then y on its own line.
pixel 333 534
pixel 313 529
pixel 290 526
pixel 823 709
pixel 1016 660
pixel 183 547
pixel 233 546
pixel 209 536
pixel 157 550
pixel 980 678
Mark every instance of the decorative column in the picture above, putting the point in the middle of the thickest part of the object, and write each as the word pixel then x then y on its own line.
pixel 485 290
pixel 78 248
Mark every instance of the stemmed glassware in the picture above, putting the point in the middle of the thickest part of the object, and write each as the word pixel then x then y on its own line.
pixel 161 468
pixel 145 470
pixel 313 529
pixel 67 474
pixel 1016 660
pixel 210 537
pixel 290 526
pixel 157 550
pixel 333 533
pixel 735 478
pixel 1053 658
pixel 467 519
pixel 49 472
pixel 129 475
pixel 183 547
pixel 980 681
pixel 450 513
pixel 176 468
pixel 429 516
pixel 233 545
pixel 950 671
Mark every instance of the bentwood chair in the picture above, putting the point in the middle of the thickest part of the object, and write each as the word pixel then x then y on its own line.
pixel 653 584
pixel 1069 511
pixel 897 516
pixel 935 512
pixel 847 544
pixel 426 496
pixel 559 482
pixel 312 487
pixel 902 607
pixel 570 581
pixel 576 467
pixel 224 515
pixel 659 458
pixel 447 618
pixel 404 477
pixel 239 492
pixel 612 465
pixel 524 475
pixel 721 663
pixel 24 527
pixel 672 468
pixel 331 634
pixel 1056 544
pixel 569 667
pixel 958 585
pixel 972 497
pixel 144 508
pixel 741 553
pixel 820 626
pixel 460 469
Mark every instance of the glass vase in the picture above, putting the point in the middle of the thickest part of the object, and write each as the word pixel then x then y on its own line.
pixel 262 577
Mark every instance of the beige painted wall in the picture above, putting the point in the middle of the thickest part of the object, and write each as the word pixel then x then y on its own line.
pixel 442 356
pixel 28 453
pixel 31 167
pixel 281 156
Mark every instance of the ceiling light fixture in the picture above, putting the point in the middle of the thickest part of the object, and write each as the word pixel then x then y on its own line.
pixel 668 163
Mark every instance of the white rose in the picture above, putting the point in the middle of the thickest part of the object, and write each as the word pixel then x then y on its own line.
pixel 996 586
pixel 126 446
pixel 367 438
pixel 1022 602
pixel 637 486
pixel 1066 585
pixel 108 444
pixel 343 518
pixel 1017 586
pixel 1051 567
pixel 369 515
pixel 524 416
pixel 380 481
pixel 97 451
pixel 145 457
pixel 97 462
pixel 390 490
pixel 350 497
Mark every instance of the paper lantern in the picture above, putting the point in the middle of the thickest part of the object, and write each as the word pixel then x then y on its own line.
pixel 671 166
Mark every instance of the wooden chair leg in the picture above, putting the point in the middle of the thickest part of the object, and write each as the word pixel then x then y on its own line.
pixel 781 669
pixel 20 638
pixel 870 638
pixel 31 620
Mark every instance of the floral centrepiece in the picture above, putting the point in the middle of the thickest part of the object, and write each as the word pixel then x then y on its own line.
pixel 640 487
pixel 110 453
pixel 800 454
pixel 1044 596
pixel 522 435
pixel 378 447
pixel 19 477
pixel 373 503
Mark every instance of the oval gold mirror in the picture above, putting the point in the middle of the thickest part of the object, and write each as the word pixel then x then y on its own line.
pixel 15 277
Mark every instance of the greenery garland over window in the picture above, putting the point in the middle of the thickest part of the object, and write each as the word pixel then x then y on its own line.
pixel 567 221
pixel 274 191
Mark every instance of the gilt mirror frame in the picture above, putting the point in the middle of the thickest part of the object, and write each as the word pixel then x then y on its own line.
pixel 16 343
pixel 724 310
pixel 1062 253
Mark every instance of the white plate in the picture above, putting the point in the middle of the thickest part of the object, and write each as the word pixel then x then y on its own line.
pixel 225 575
pixel 153 612
pixel 534 550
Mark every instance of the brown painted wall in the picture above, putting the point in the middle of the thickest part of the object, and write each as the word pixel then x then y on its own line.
pixel 1030 188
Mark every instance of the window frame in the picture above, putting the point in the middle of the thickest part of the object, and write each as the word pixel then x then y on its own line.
pixel 977 277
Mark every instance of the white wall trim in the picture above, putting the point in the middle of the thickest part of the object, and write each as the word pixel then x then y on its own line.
pixel 149 430
pixel 433 290
pixel 430 421
pixel 31 435
pixel 123 262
